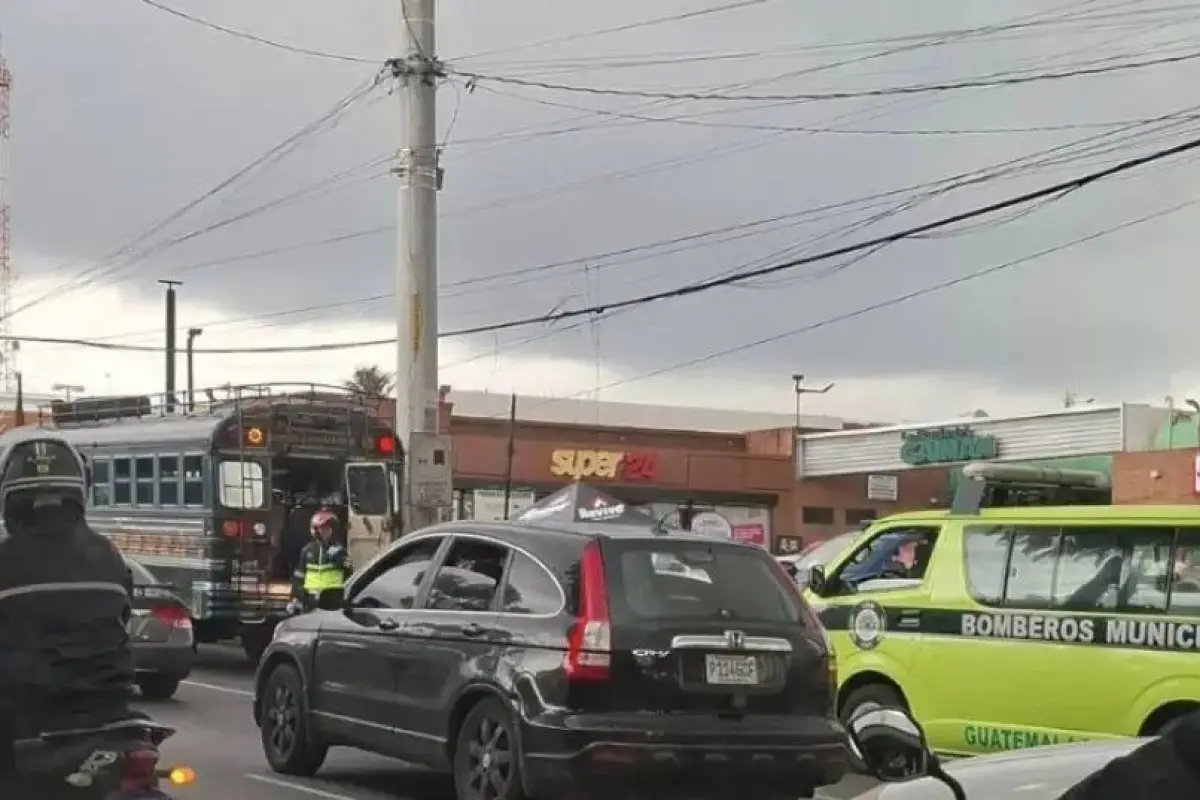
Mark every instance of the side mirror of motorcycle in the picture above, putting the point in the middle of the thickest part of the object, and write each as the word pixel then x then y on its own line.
pixel 890 743
pixel 331 599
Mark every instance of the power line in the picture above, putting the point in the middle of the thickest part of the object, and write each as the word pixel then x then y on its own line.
pixel 636 253
pixel 1089 16
pixel 573 37
pixel 689 120
pixel 888 91
pixel 893 301
pixel 250 37
pixel 106 267
pixel 1060 189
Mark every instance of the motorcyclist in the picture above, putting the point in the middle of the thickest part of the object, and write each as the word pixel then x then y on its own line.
pixel 1166 768
pixel 65 661
pixel 323 564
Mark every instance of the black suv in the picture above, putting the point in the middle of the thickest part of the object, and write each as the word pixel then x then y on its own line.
pixel 541 662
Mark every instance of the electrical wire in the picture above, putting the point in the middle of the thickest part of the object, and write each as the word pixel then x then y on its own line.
pixel 888 91
pixel 1061 188
pixel 919 193
pixel 128 252
pixel 689 120
pixel 1088 16
pixel 250 37
pixel 867 309
pixel 574 37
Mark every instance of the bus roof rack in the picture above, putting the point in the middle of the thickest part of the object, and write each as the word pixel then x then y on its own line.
pixel 209 401
pixel 991 484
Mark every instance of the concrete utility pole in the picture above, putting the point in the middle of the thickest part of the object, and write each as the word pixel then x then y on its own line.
pixel 420 177
pixel 169 402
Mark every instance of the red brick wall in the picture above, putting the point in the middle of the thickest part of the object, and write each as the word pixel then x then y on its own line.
pixel 917 488
pixel 1157 477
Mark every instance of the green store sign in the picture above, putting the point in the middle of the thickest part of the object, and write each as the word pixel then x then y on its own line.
pixel 946 446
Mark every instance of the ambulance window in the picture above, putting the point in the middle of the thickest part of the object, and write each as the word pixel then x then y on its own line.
pixel 986 561
pixel 1185 588
pixel 1031 567
pixel 1121 568
pixel 1089 570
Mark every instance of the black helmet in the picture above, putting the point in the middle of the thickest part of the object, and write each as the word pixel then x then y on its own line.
pixel 41 462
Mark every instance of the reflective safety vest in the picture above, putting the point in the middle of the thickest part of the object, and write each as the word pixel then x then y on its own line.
pixel 325 571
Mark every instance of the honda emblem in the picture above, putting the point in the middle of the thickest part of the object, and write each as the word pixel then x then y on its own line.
pixel 735 640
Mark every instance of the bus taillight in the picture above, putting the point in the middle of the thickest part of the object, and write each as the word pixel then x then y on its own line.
pixel 385 444
pixel 234 529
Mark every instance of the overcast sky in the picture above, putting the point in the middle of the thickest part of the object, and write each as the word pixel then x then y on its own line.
pixel 122 114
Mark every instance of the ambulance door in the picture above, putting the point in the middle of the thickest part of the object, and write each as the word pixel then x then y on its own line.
pixel 370 505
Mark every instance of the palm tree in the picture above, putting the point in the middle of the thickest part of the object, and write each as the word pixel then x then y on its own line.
pixel 369 381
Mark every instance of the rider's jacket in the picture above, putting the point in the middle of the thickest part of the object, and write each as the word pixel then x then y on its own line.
pixel 1165 768
pixel 65 593
pixel 321 566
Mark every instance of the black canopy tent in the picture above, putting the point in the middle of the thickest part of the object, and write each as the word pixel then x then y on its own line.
pixel 582 505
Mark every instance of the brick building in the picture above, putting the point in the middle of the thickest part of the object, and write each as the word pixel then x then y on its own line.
pixel 1168 472
pixel 740 483
pixel 1148 454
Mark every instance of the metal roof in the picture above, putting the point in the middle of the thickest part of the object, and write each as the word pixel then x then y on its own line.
pixel 1123 513
pixel 143 431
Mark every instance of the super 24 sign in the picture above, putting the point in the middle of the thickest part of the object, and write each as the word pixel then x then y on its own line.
pixel 577 464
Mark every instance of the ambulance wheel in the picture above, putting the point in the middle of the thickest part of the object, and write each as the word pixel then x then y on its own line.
pixel 878 693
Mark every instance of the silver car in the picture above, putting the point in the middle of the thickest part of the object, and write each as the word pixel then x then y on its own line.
pixel 1041 773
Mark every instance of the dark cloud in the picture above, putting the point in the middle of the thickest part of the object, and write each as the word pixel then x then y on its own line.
pixel 122 113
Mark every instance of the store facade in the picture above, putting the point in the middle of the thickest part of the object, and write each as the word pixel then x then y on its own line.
pixel 732 493
pixel 903 467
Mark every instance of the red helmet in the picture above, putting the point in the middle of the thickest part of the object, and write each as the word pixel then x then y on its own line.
pixel 323 518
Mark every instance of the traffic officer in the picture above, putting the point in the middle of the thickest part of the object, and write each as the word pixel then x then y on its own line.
pixel 323 564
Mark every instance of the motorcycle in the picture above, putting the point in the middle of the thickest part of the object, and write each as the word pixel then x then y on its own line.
pixel 890 745
pixel 116 761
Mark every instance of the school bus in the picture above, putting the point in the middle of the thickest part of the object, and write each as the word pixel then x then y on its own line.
pixel 216 496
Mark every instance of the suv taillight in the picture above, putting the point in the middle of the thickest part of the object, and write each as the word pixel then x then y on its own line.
pixel 589 643
pixel 172 615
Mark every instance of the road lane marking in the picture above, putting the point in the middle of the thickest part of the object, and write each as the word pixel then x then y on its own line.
pixel 212 687
pixel 298 787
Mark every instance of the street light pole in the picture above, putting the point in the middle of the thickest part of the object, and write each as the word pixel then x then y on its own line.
pixel 798 382
pixel 191 375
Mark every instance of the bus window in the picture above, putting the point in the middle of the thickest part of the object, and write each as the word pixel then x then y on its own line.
pixel 241 484
pixel 368 489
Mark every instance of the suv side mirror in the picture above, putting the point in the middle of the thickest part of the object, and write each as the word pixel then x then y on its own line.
pixel 816 582
pixel 331 599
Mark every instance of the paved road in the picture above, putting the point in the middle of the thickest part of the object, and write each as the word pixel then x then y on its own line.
pixel 217 737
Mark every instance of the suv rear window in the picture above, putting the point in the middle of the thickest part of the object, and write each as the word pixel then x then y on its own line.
pixel 676 580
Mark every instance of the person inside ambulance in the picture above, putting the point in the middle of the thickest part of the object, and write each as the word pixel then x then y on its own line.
pixel 324 563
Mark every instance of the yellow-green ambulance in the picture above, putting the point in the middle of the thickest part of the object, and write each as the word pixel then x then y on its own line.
pixel 1003 628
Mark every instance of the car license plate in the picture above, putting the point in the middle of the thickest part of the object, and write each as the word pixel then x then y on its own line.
pixel 731 670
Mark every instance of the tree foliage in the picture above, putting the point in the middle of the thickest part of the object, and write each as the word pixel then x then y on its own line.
pixel 370 381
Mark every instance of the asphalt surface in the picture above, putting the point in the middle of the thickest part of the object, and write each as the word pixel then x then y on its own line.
pixel 218 739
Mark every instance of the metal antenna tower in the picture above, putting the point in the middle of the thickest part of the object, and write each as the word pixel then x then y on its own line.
pixel 8 348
